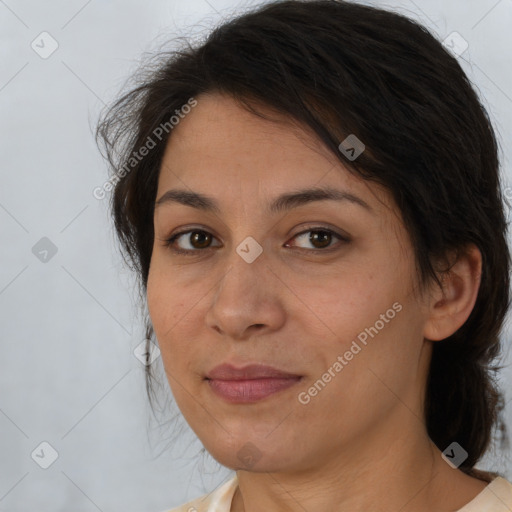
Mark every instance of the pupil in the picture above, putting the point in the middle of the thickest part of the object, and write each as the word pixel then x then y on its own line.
pixel 315 236
pixel 197 238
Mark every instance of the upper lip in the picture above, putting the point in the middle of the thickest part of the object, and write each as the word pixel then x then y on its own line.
pixel 251 371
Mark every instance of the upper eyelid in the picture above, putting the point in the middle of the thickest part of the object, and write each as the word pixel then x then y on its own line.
pixel 311 225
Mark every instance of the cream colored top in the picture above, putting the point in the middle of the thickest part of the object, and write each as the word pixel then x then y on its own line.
pixel 496 497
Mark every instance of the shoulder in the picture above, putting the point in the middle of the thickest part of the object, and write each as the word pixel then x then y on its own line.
pixel 218 500
pixel 501 490
pixel 496 497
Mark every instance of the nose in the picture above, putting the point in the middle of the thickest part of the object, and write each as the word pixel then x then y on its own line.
pixel 246 300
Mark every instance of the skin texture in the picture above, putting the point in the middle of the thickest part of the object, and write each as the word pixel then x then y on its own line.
pixel 361 442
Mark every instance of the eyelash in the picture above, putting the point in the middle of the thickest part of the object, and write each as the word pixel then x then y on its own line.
pixel 192 252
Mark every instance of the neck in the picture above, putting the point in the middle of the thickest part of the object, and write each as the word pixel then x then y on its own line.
pixel 382 470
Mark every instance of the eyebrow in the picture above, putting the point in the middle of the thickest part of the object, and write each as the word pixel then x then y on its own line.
pixel 281 203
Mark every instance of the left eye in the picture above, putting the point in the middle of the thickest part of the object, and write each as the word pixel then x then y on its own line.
pixel 320 238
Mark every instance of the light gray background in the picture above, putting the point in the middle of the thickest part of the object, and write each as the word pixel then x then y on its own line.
pixel 68 375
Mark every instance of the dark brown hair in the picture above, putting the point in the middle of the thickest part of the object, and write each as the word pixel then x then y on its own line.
pixel 342 68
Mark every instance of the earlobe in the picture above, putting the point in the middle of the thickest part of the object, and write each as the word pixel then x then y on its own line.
pixel 451 306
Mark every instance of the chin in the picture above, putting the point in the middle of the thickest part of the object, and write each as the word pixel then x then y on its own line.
pixel 257 455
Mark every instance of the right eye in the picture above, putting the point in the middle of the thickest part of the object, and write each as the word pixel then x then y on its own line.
pixel 199 241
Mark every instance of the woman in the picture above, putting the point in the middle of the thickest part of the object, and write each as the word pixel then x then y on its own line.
pixel 311 201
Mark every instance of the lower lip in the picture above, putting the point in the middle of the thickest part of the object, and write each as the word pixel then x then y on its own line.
pixel 247 391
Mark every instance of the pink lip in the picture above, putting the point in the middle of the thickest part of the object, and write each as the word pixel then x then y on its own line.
pixel 251 371
pixel 250 383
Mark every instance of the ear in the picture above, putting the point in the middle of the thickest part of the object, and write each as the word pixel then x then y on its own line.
pixel 451 306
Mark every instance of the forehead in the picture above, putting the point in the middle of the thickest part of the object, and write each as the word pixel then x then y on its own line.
pixel 222 149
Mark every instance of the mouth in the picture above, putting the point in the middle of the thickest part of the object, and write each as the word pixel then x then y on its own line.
pixel 252 390
pixel 250 383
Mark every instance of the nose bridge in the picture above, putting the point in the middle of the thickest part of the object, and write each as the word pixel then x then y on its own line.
pixel 246 275
pixel 247 236
pixel 245 294
pixel 246 266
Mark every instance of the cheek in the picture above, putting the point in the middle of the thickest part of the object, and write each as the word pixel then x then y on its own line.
pixel 369 319
pixel 158 296
pixel 169 301
pixel 347 304
pixel 167 309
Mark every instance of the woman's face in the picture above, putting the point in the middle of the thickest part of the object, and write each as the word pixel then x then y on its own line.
pixel 320 288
